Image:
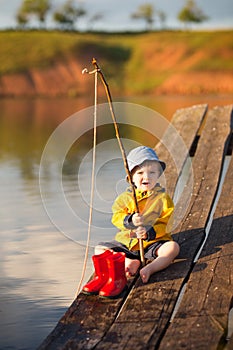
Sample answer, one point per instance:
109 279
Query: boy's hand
137 219
139 232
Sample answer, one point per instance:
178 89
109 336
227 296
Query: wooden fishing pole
107 90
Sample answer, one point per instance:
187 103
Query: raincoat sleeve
122 213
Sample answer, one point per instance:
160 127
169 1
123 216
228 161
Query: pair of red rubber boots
109 279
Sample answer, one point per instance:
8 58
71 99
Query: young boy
150 224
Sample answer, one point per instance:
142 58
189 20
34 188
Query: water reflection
37 281
40 267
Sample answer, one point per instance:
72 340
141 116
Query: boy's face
145 177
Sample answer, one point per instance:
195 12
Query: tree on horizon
191 13
37 8
68 13
146 13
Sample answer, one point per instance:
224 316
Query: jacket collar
145 194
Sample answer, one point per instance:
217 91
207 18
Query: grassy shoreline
21 50
140 62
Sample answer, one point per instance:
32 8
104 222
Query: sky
116 14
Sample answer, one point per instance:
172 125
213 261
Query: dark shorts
149 252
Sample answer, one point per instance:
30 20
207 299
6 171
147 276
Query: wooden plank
203 312
177 142
206 166
89 318
84 323
155 301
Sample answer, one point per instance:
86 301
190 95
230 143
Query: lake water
43 229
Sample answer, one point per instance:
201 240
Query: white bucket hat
140 154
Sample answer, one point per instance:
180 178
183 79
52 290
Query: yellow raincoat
156 207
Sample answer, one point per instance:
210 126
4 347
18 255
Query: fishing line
92 181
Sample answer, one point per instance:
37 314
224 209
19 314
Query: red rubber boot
117 281
101 273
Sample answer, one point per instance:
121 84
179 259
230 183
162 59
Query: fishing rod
109 97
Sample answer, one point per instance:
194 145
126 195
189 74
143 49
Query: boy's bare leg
165 256
131 266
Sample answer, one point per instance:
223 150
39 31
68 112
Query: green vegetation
145 12
191 13
20 51
138 61
68 14
35 8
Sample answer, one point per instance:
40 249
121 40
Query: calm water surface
40 265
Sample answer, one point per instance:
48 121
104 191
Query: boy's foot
131 267
145 274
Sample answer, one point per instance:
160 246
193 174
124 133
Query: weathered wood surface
178 141
202 317
142 318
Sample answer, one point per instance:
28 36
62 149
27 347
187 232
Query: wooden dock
189 305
